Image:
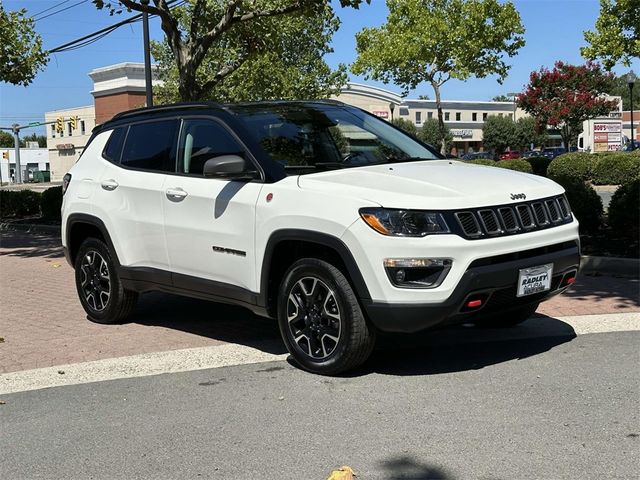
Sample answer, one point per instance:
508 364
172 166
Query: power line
33 17
61 10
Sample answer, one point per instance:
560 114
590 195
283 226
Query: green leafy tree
498 133
527 132
191 30
617 33
620 88
435 40
292 67
433 134
21 54
41 139
567 96
406 125
502 98
6 140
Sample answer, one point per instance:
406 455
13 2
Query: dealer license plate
534 280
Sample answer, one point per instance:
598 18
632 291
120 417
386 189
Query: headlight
404 223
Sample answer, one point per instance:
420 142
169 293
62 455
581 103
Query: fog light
417 272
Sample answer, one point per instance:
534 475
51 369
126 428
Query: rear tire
320 319
512 317
99 288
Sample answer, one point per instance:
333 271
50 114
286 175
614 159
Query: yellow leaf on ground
343 473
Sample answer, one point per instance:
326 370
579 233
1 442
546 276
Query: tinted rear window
113 149
150 146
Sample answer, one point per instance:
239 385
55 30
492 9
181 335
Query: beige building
464 118
65 147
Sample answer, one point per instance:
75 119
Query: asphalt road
563 406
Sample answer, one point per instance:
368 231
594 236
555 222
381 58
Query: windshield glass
305 138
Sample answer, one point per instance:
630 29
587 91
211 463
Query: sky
553 32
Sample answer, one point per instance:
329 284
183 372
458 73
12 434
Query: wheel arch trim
83 218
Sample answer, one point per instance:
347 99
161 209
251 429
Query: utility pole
147 54
16 144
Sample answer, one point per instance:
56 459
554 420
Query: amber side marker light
374 223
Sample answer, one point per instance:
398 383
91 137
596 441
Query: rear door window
151 146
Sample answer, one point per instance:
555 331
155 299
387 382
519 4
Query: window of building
446 116
53 131
458 116
484 116
474 116
150 146
203 140
418 118
82 127
404 111
69 130
429 115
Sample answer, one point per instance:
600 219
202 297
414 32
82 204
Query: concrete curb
616 266
29 228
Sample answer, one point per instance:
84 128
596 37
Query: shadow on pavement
625 292
31 245
409 468
459 348
225 323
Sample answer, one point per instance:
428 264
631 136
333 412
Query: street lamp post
631 80
147 55
392 107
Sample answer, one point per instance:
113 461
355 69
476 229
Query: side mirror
225 166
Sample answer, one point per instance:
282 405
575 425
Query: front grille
513 219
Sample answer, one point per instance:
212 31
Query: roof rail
163 108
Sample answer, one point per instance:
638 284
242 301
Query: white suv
317 213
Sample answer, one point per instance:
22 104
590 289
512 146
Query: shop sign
466 133
381 113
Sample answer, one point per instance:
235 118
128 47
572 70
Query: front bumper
494 277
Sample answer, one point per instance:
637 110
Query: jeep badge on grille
518 196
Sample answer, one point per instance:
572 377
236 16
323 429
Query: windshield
305 138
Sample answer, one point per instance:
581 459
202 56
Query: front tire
99 288
320 319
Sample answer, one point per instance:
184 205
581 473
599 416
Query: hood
432 184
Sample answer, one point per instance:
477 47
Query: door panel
209 223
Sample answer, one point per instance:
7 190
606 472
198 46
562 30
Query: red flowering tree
567 96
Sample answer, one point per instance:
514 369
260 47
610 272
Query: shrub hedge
482 161
624 210
539 165
572 165
51 203
518 164
19 203
585 203
615 168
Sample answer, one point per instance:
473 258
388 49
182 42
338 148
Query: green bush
539 165
51 203
616 168
585 203
19 203
518 164
624 210
572 165
482 161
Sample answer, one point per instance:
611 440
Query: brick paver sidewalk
43 324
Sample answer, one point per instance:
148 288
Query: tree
433 134
567 96
498 133
528 132
617 34
502 98
21 55
292 67
41 139
406 125
193 29
6 140
435 40
620 88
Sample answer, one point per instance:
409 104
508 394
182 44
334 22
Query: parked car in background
531 153
478 156
553 152
511 155
631 146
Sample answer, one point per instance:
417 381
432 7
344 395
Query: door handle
176 194
109 185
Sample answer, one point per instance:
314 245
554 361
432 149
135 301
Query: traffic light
74 122
5 155
60 124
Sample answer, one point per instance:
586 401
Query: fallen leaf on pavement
343 473
61 372
2 402
1 339
55 265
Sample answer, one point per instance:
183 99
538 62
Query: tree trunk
187 86
441 127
